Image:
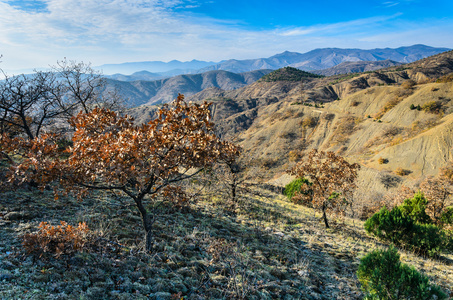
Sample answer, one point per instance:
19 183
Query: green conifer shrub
383 276
415 208
391 226
409 226
295 187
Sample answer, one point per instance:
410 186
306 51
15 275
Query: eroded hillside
393 121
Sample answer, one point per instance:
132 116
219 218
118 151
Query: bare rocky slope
357 67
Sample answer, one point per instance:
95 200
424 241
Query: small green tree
383 276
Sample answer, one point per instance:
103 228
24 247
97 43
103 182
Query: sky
36 34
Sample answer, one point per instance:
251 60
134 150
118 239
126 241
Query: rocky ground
267 248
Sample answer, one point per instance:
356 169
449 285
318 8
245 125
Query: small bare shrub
408 84
401 172
328 117
241 281
345 127
382 160
57 240
434 107
309 122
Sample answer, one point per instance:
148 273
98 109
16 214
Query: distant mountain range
165 90
172 67
317 59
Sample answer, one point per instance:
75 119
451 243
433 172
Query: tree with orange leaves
332 181
110 152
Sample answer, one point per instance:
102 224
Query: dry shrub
294 155
382 160
387 136
288 135
269 163
56 240
235 266
420 126
392 131
403 93
408 84
388 106
354 103
390 201
445 79
401 172
287 114
328 117
344 128
309 122
434 107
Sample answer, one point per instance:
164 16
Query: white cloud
113 31
350 26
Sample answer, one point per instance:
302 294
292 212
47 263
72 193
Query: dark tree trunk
233 190
147 223
324 216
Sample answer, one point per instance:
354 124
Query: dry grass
387 106
265 248
344 128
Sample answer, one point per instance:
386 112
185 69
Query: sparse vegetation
445 79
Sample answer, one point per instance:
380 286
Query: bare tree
29 103
83 88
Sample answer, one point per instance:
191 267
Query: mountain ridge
316 59
165 90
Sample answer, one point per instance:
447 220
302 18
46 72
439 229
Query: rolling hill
165 90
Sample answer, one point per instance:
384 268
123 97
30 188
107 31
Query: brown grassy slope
280 250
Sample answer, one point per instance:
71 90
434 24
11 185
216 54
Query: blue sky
38 33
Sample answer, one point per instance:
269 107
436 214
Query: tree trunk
148 240
147 224
324 216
